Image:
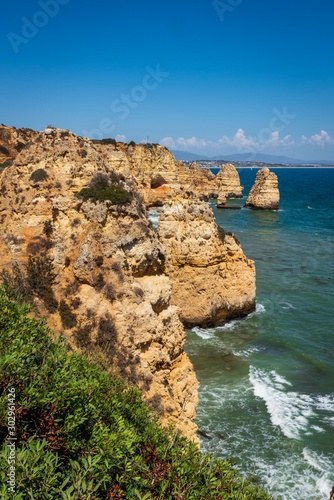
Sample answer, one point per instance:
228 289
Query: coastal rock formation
161 178
264 194
96 268
212 279
221 200
199 181
228 181
155 170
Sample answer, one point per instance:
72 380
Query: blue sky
211 76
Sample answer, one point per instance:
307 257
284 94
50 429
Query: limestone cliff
212 279
264 194
228 181
199 181
96 269
161 178
153 167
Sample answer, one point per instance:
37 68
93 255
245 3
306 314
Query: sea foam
294 413
204 333
288 410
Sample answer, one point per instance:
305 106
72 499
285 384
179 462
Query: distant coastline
261 165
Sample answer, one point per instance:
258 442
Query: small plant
68 318
99 282
83 153
109 141
19 146
109 292
4 150
82 337
39 175
40 277
6 164
76 302
99 260
47 228
15 283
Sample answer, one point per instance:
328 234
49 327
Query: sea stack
264 194
221 201
212 280
228 181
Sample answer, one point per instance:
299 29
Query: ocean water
266 396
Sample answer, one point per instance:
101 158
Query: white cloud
318 139
120 138
266 139
182 143
275 140
239 140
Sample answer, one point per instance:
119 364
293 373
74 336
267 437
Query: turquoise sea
266 398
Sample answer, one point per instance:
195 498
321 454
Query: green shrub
6 164
19 146
68 318
84 434
103 187
34 278
40 277
47 228
39 175
109 141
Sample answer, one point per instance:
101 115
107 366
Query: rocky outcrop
199 181
212 279
264 194
221 201
228 182
155 170
12 141
96 269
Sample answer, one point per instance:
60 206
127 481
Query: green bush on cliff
103 187
83 434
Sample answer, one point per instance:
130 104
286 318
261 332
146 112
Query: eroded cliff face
107 291
154 168
212 279
197 180
264 194
161 178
